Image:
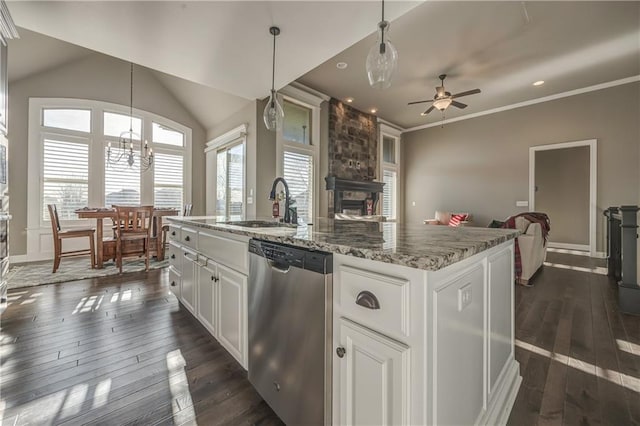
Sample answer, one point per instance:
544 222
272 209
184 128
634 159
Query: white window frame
235 136
39 229
301 95
386 130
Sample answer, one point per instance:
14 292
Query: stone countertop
427 247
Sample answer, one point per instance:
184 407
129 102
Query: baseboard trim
598 254
567 246
503 397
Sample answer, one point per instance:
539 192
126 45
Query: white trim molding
304 93
227 138
561 95
593 184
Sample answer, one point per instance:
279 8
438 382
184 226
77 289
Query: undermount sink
260 224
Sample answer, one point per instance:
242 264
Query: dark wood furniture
133 224
59 235
106 248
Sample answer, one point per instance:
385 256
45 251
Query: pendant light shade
382 60
273 113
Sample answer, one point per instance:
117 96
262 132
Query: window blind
65 177
389 195
230 182
168 177
298 172
121 184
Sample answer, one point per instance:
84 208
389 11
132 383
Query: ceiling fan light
442 104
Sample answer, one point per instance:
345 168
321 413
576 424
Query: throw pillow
457 218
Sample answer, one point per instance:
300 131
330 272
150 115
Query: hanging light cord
273 63
131 102
382 28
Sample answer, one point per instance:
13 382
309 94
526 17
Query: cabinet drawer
175 259
189 237
391 312
231 253
174 233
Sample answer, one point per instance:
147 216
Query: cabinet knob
213 278
173 256
173 233
187 238
173 283
340 351
368 300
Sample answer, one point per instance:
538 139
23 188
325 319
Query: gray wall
261 161
481 165
562 192
96 77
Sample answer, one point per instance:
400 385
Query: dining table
102 213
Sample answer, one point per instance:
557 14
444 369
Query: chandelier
124 155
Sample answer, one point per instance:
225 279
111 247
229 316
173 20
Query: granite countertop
427 247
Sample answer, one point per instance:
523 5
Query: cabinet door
232 313
188 291
373 378
207 297
174 281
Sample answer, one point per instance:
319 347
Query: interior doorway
562 183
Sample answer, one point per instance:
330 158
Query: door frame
593 179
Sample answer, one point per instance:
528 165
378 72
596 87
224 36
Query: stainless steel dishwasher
290 330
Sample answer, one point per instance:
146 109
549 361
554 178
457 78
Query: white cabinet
374 377
232 315
188 291
208 297
174 281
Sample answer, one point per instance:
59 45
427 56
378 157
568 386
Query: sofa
444 218
533 248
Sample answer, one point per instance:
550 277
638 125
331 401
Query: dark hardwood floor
117 350
121 350
579 355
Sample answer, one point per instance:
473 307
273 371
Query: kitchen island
437 348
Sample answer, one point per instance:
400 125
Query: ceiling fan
443 99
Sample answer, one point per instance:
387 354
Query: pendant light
273 112
123 155
382 60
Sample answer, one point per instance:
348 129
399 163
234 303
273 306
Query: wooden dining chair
59 235
133 223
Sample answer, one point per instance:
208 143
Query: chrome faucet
287 200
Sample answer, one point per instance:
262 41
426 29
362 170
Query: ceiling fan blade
458 104
467 93
419 102
431 108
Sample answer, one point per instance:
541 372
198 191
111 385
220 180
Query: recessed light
373 110
539 83
341 65
349 100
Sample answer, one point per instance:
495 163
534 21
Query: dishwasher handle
279 267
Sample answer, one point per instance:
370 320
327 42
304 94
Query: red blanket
535 217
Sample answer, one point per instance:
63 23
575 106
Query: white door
188 291
232 308
373 377
207 296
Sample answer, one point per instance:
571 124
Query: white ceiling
499 47
224 45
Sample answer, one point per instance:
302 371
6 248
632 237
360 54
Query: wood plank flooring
121 350
579 355
115 351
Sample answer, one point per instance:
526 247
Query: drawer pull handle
340 351
173 283
213 278
367 300
173 256
187 238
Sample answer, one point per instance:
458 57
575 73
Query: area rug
30 274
